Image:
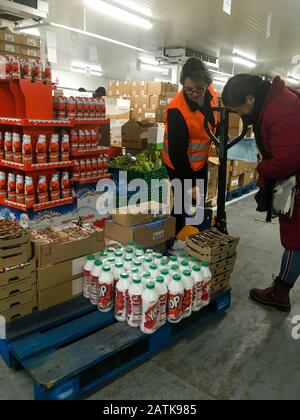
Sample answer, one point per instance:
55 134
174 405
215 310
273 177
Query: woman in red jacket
274 111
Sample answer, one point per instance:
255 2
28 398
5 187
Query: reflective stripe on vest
199 142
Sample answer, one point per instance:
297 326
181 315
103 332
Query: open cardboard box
148 212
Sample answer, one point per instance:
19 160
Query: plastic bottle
118 269
29 191
65 185
153 270
149 253
121 298
15 68
48 73
100 167
76 171
134 306
184 266
54 149
198 286
95 274
17 148
1 146
188 283
54 187
174 270
176 293
164 265
138 265
89 172
207 276
146 277
65 148
94 168
130 251
27 150
79 107
118 256
87 276
181 257
172 261
127 263
158 259
148 261
3 185
192 262
150 308
83 174
103 256
25 69
94 139
11 187
88 140
42 190
8 146
74 141
165 274
41 149
163 298
106 301
20 188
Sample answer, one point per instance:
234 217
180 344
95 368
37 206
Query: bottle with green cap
134 307
87 276
119 256
150 305
175 302
148 261
140 248
121 297
149 252
173 261
184 266
198 286
158 259
130 252
106 301
153 270
138 265
118 269
96 273
111 252
193 261
163 298
207 276
127 263
174 270
181 257
165 273
103 255
145 278
188 284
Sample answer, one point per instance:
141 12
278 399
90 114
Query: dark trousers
290 267
203 174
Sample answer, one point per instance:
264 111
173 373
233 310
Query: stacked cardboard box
241 174
219 250
118 111
61 253
18 291
135 135
236 126
150 227
24 46
213 177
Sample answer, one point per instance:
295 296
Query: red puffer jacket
280 131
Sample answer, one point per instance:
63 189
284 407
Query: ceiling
198 24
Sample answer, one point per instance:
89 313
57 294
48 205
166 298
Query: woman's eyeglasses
199 89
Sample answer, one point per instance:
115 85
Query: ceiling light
148 67
119 14
78 70
211 64
95 73
243 62
135 6
86 66
93 35
244 55
148 60
31 31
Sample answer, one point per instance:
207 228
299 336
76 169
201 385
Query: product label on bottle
163 307
175 306
150 316
120 304
134 309
105 295
197 296
187 300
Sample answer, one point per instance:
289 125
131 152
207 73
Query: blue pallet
73 357
241 191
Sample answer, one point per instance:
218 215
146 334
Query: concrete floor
247 354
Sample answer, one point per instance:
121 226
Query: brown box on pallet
49 254
144 102
17 287
158 102
170 96
157 88
9 37
143 88
222 285
7 48
147 235
18 300
148 212
15 250
59 294
247 178
31 52
30 41
234 183
237 167
135 101
56 274
18 274
135 134
20 310
148 114
160 115
135 114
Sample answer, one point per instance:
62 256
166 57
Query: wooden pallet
70 350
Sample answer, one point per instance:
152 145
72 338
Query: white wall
72 80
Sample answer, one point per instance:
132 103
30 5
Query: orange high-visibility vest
199 141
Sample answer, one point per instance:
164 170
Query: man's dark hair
82 89
196 70
239 87
100 92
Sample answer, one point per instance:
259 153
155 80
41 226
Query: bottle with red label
3 185
118 269
42 190
48 73
76 171
100 167
71 107
106 301
163 299
86 107
89 171
150 309
81 138
27 149
207 276
92 107
61 107
65 185
88 140
1 146
17 148
37 71
8 146
20 190
26 70
29 191
94 139
65 148
105 165
121 297
94 168
188 284
95 277
41 149
11 187
54 149
134 304
83 174
79 107
15 68
74 140
87 276
54 187
198 288
175 299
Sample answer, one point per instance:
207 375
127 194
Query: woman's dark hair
196 70
239 87
101 91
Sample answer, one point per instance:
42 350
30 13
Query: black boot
278 295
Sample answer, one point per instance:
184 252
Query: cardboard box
18 274
56 253
157 88
125 217
18 300
212 190
237 167
31 52
160 115
156 134
148 235
16 250
143 88
9 48
224 266
170 96
135 134
20 310
9 37
148 114
234 183
134 88
56 274
144 102
15 288
30 41
222 285
117 109
116 137
87 203
135 101
135 114
158 102
247 178
59 294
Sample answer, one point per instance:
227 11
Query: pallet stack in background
219 250
18 284
21 45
